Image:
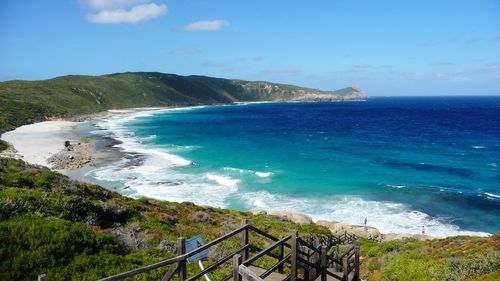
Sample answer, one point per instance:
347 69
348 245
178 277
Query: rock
200 216
72 156
292 216
167 246
132 237
259 212
170 219
339 228
400 236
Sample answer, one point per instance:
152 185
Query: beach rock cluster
290 216
73 156
340 228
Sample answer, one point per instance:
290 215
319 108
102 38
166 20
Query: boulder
292 216
200 216
339 228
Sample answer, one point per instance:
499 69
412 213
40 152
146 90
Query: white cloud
213 25
135 14
112 4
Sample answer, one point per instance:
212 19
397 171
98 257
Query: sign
194 243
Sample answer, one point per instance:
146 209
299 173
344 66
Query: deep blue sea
403 163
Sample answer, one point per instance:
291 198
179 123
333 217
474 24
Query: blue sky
385 47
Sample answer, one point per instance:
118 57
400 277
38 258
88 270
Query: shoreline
54 132
36 143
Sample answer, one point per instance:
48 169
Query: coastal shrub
46 179
15 201
473 265
3 145
413 266
19 179
31 245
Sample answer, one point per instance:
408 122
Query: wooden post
245 239
324 265
337 255
181 250
356 262
295 252
345 266
281 255
237 260
306 266
42 277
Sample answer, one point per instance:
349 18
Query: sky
388 48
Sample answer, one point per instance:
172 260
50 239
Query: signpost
194 243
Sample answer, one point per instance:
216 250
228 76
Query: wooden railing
303 260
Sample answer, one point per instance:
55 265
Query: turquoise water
401 163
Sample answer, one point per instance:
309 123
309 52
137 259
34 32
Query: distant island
24 102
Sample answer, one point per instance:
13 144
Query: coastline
56 132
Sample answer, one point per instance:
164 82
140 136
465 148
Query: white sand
37 142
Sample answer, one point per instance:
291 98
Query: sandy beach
35 143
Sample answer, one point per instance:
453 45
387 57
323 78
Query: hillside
76 231
24 102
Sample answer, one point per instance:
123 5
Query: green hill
24 102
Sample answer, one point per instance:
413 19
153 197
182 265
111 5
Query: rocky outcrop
339 228
368 232
290 216
200 216
73 156
132 237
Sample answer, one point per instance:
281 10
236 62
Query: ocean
402 163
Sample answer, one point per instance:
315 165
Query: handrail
303 242
263 252
346 252
269 236
136 271
218 263
335 260
214 242
274 267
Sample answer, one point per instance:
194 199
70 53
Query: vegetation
76 231
24 102
3 145
453 259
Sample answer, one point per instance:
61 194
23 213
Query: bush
3 145
32 245
470 266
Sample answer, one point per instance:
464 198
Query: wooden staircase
296 259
